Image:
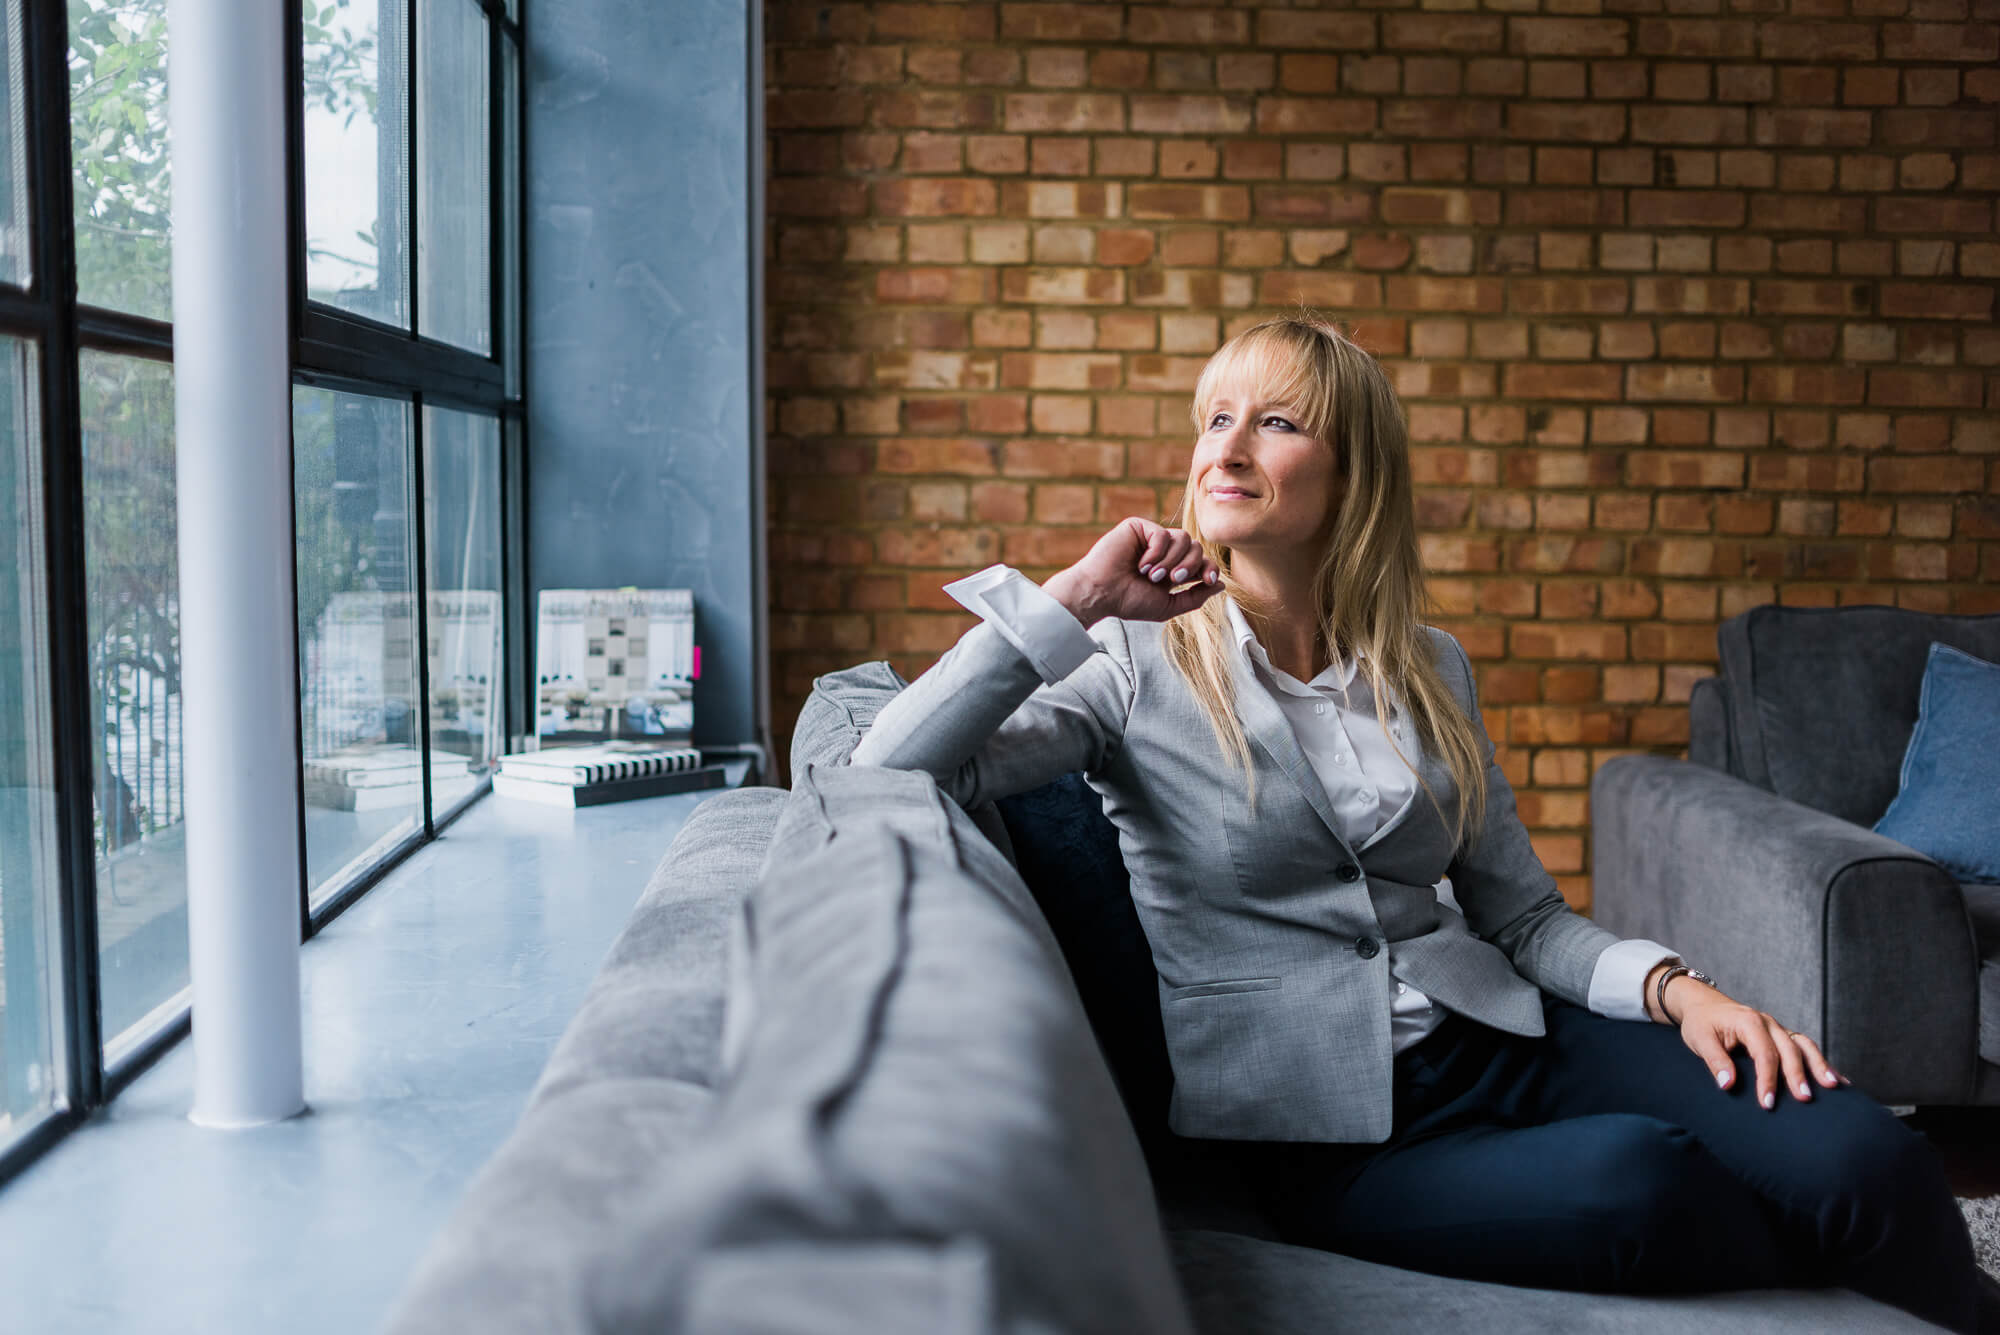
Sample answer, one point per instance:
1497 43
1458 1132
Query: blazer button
1347 871
1365 947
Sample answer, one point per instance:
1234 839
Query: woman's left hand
1712 1024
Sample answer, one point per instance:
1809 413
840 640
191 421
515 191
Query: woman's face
1261 482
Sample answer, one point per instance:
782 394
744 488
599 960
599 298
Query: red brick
1442 32
1064 111
1569 37
1314 115
1187 27
935 197
1295 28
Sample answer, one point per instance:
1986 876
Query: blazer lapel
1266 725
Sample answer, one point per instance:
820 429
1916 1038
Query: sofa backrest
1066 850
1821 701
909 1066
841 709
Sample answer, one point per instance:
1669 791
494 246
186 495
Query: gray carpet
1982 1216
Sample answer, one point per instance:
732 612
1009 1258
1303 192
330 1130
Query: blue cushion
1948 807
1067 852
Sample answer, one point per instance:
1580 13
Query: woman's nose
1233 445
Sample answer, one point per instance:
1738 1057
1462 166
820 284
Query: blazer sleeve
1507 896
986 723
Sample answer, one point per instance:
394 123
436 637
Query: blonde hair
1368 588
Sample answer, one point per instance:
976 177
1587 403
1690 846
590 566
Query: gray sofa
835 1076
1755 858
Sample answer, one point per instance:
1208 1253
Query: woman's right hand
1131 573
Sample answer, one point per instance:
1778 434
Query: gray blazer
1267 928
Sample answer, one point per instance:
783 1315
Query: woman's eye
1278 422
1220 419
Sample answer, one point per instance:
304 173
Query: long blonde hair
1368 589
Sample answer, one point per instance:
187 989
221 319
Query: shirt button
1400 988
1319 709
1340 759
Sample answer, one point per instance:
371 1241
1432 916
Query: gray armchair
1755 858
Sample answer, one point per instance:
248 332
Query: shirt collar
1336 677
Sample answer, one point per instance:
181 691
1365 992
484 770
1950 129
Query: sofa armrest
1859 941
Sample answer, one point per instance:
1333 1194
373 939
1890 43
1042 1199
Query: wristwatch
1660 991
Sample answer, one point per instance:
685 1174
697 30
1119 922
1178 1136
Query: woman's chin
1226 530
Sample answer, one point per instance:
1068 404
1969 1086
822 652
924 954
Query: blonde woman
1481 1083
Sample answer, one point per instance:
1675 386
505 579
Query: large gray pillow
842 707
917 1072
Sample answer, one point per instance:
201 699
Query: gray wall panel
645 456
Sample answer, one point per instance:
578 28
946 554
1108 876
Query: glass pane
462 556
118 147
364 781
15 265
132 593
357 103
454 241
29 1077
510 225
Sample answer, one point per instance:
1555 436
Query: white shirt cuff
1618 983
1028 617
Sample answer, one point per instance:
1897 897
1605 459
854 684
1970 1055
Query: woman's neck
1290 635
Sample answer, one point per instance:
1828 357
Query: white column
232 407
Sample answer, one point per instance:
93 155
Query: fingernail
1211 577
1145 569
1722 1079
1180 574
1157 575
1805 1091
1770 1101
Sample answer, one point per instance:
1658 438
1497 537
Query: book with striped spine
606 762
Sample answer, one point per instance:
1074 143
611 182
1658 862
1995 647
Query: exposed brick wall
1690 313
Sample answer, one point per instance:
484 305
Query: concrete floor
430 1008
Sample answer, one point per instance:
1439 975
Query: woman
1489 1087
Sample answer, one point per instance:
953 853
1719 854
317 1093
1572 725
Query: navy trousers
1603 1156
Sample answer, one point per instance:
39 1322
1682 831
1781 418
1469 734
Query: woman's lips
1230 495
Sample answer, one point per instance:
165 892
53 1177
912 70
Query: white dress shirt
1333 718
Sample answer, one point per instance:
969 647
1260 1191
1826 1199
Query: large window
362 753
411 190
132 613
357 144
30 1083
404 158
118 152
462 556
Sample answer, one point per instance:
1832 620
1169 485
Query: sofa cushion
1243 1286
842 707
1067 851
1948 804
917 1068
1821 701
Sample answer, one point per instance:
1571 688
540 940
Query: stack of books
581 776
372 778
